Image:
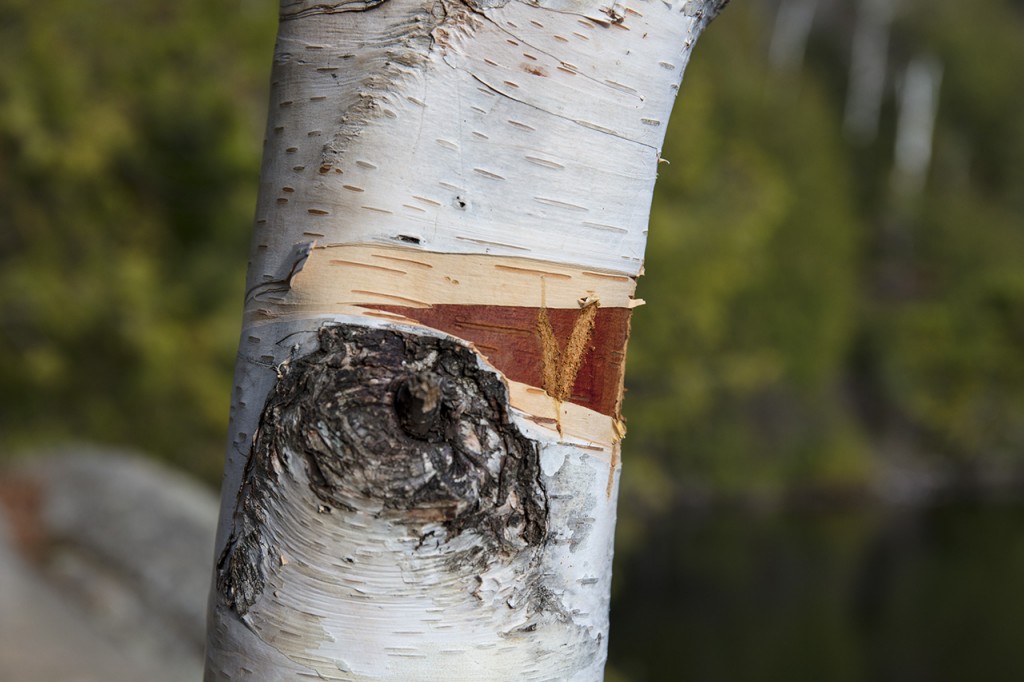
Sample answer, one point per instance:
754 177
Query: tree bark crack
585 124
546 53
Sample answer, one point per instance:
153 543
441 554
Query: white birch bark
397 505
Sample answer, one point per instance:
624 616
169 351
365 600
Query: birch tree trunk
426 420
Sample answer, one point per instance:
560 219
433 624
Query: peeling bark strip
356 274
397 426
297 9
561 364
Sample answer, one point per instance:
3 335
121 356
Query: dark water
864 594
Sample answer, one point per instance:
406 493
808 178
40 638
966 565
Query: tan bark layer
321 277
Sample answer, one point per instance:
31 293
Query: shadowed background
826 388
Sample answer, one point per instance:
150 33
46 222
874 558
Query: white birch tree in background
424 458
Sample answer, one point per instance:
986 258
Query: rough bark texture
398 426
426 421
395 522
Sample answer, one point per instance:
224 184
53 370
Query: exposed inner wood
508 337
599 432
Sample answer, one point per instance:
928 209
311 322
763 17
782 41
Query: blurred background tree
835 271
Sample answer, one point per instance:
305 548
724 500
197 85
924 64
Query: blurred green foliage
129 152
803 315
808 323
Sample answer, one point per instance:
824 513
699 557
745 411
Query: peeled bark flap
401 426
294 9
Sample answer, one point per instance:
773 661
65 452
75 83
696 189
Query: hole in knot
418 403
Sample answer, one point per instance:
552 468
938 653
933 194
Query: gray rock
121 583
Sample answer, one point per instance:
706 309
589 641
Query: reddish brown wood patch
508 336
